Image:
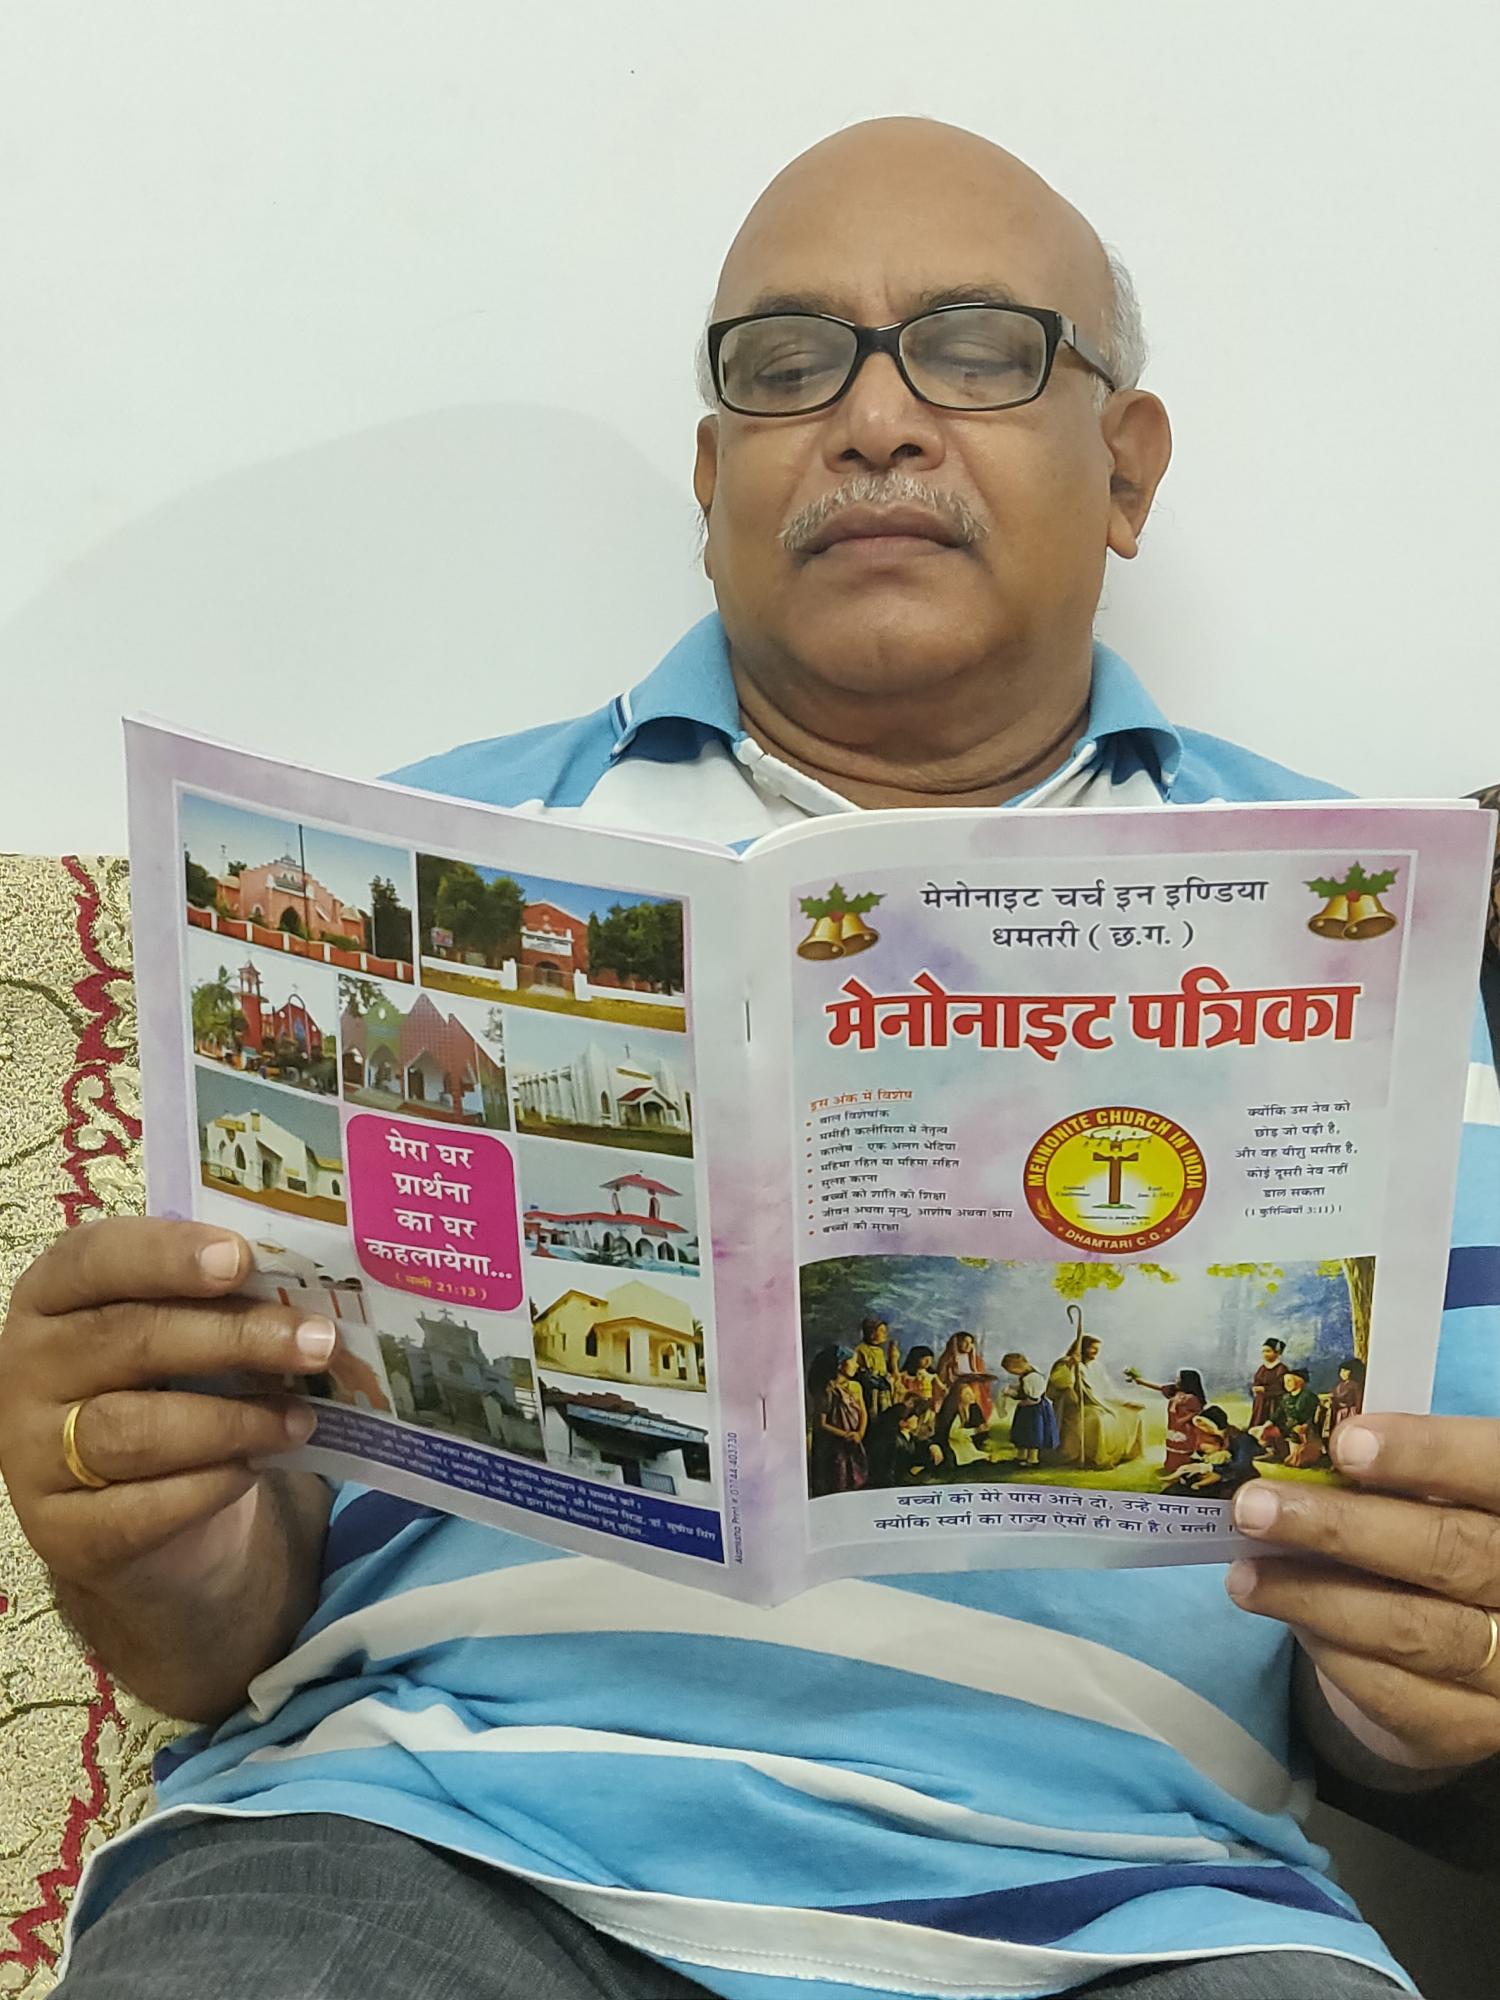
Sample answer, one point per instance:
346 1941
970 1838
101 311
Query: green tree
483 918
215 1016
357 996
200 884
639 941
390 921
235 868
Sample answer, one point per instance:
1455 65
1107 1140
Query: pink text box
434 1210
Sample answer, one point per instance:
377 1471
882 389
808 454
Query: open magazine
915 1191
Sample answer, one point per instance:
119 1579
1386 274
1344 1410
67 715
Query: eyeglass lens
972 358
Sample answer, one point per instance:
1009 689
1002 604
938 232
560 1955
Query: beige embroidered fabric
75 1752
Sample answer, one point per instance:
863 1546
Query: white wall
288 452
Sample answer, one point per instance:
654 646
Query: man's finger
126 1257
1426 1635
134 1519
1452 1550
1438 1724
1442 1458
128 1435
138 1346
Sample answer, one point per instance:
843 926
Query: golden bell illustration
854 933
1332 921
1368 918
824 940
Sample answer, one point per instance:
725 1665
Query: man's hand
1390 1588
182 1535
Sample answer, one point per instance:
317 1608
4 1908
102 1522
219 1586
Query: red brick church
554 945
267 1028
268 894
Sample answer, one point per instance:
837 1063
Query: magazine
913 1191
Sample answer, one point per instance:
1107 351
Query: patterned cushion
75 1751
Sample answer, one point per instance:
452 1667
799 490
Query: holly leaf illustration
1378 883
1325 886
838 900
813 906
1356 882
861 905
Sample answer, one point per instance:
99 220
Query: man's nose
878 422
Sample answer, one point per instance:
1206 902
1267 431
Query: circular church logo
1115 1179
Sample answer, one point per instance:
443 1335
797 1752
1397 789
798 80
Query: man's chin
876 648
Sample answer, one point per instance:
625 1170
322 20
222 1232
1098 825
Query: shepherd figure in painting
1099 1430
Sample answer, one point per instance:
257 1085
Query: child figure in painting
836 1459
873 1354
1267 1384
1347 1396
1033 1427
963 1360
919 1379
897 1447
1186 1398
959 1420
1292 1437
1223 1460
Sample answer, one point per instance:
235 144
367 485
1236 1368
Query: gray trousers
313 1907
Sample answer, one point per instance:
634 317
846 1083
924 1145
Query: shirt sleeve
1468 1368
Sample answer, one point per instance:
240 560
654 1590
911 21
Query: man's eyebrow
985 293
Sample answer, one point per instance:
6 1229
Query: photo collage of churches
450 1107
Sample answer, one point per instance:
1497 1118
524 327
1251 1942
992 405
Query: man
471 1765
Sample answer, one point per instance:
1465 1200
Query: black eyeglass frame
1057 329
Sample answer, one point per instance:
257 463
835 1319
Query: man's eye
976 361
786 371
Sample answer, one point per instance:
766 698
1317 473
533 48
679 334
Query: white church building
251 1151
598 1088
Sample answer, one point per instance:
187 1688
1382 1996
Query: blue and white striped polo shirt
951 1786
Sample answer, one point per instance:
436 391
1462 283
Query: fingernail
300 1422
316 1339
1240 1581
1355 1448
220 1260
1255 1510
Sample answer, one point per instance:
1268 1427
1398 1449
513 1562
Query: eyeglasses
954 357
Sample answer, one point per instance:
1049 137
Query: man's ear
706 478
1138 437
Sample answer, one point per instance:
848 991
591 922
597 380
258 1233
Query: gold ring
1490 1651
84 1474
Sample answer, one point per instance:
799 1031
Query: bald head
904 574
891 183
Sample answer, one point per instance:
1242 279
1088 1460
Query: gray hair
1123 345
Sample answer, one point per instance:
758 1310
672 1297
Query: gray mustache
896 489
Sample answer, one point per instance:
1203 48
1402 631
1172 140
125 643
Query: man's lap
313 1907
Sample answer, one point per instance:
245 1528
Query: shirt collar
694 685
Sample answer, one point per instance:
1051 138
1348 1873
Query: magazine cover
823 1210
1124 1158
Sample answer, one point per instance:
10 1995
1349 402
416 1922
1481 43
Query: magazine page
1123 1149
460 1077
